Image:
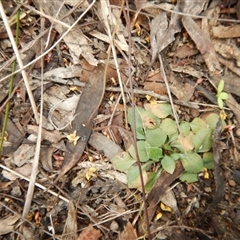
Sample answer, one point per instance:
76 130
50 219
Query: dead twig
127 18
168 91
31 185
36 184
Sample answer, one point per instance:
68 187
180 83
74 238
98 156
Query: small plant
160 145
221 95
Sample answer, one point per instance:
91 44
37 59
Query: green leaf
178 146
167 147
175 156
154 153
160 110
141 146
156 137
185 128
133 177
202 140
192 162
212 120
152 178
168 164
189 177
172 137
138 119
207 144
220 103
197 124
168 126
223 95
208 160
122 161
220 86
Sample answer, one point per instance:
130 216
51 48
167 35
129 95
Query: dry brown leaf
157 87
203 43
118 122
111 19
155 83
162 33
228 50
169 200
70 228
230 65
186 69
185 51
182 91
46 157
61 72
185 142
212 15
193 7
128 233
76 41
28 233
4 185
226 32
23 154
160 187
154 9
53 137
102 143
84 3
7 224
24 170
90 233
232 103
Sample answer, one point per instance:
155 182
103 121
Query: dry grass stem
19 59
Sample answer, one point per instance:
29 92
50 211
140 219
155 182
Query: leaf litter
100 194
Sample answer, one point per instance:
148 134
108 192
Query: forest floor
123 121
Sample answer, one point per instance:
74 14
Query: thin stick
32 182
127 18
168 91
36 184
177 12
112 45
